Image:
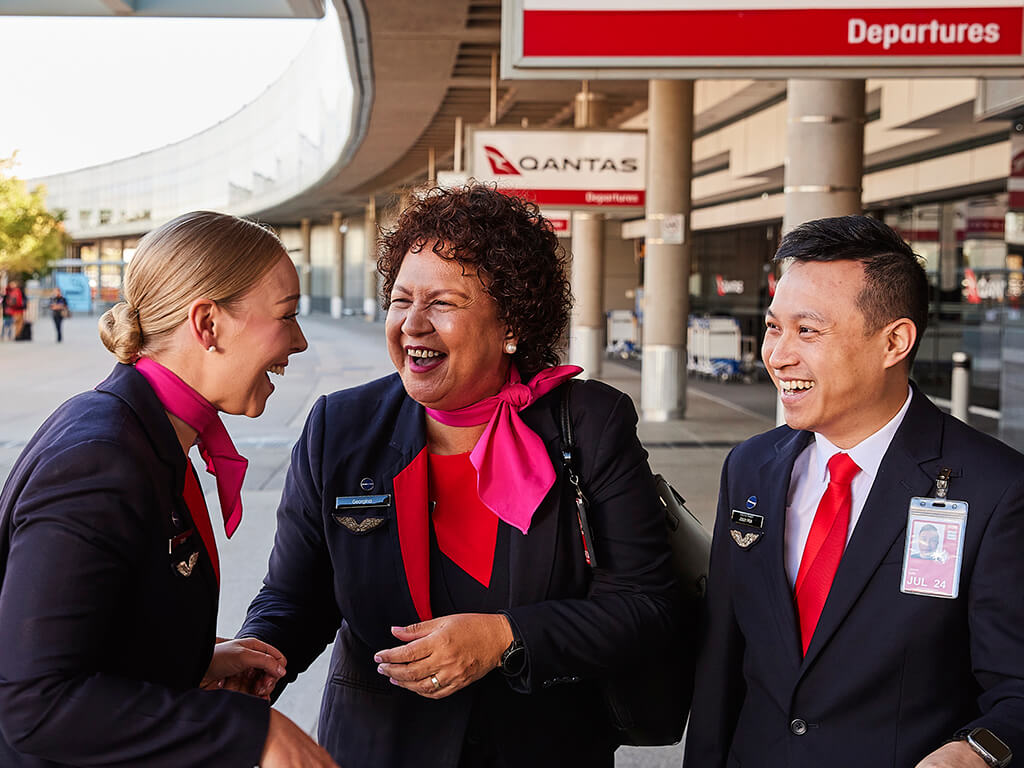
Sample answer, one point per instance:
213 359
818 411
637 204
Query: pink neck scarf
513 469
222 460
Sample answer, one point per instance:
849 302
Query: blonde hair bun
121 333
202 254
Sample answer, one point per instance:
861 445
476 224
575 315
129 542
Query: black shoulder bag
648 704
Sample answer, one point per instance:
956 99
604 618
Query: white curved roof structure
378 85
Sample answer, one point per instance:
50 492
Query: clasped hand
247 665
454 650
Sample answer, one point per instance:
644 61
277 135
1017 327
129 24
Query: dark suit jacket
325 580
888 676
102 641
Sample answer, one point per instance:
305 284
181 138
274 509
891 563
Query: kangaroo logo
500 165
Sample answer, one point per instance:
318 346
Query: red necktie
825 544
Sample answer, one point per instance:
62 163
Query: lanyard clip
942 482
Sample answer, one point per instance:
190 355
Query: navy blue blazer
327 580
102 640
888 677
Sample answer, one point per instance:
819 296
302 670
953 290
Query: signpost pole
370 280
586 332
667 257
338 260
305 267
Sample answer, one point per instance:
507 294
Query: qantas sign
567 168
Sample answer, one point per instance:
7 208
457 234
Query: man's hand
288 747
454 650
956 754
247 665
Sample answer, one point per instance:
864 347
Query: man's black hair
895 283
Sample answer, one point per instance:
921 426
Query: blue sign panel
75 287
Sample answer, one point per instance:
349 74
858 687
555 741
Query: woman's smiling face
443 333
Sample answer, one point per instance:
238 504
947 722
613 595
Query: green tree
30 236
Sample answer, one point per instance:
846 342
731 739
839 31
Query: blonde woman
109 575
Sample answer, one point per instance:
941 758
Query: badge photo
934 547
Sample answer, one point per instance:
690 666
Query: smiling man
821 645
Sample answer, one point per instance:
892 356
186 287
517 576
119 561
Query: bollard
960 386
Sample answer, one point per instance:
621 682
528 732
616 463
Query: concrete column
305 267
824 149
587 326
371 304
824 153
338 261
586 334
667 258
590 110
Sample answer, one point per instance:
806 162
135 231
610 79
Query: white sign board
592 169
761 38
561 221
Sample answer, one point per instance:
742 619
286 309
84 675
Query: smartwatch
513 659
989 747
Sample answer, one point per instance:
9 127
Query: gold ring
437 685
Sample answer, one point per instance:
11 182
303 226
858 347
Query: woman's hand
288 747
453 650
247 665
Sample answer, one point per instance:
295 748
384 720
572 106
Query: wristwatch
513 659
989 747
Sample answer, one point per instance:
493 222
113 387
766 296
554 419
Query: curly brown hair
514 251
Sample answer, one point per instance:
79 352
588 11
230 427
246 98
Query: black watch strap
513 659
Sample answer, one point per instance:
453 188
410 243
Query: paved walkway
37 376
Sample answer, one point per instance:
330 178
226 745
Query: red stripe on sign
803 32
622 198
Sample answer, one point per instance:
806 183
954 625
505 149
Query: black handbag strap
568 446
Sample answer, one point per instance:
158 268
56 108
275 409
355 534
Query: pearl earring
211 348
511 347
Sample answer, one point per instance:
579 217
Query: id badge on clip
935 545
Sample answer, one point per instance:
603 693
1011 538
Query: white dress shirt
809 480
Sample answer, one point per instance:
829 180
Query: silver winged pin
360 526
185 567
744 540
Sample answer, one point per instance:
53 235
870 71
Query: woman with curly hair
427 528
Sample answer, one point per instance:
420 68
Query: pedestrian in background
7 330
59 309
109 574
14 310
825 645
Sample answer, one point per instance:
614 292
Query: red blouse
466 530
201 516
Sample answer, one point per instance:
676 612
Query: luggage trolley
714 347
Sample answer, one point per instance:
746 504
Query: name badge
363 502
935 547
747 518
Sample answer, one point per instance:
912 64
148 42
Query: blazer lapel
774 476
412 517
129 385
126 383
532 556
906 470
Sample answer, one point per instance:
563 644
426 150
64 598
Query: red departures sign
664 35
